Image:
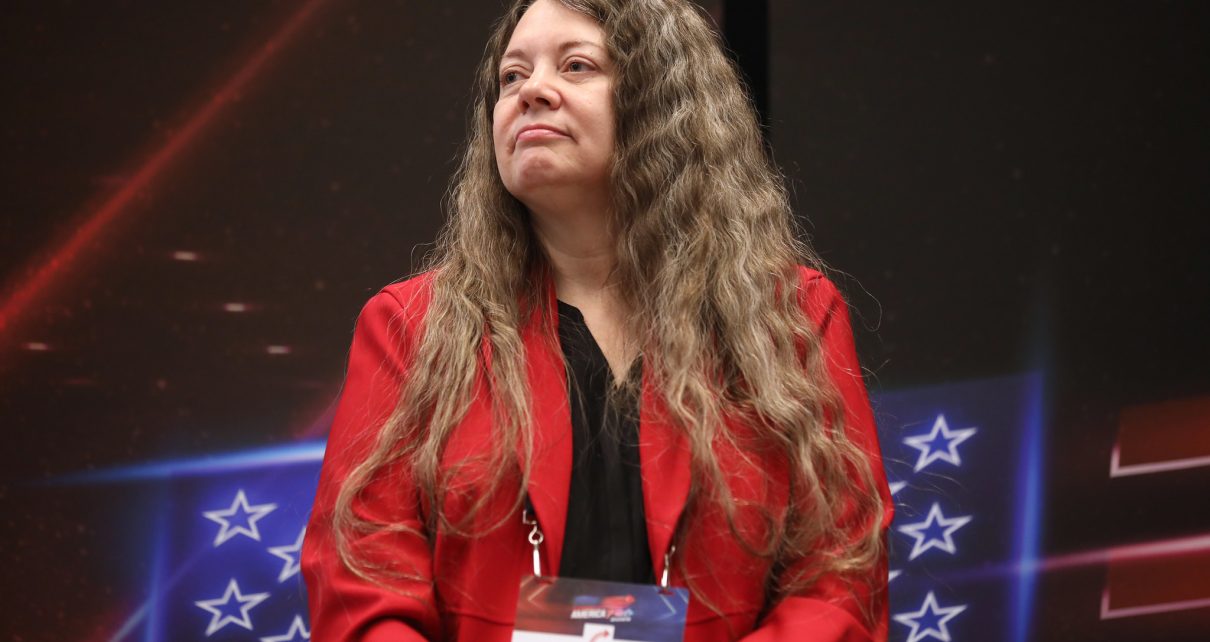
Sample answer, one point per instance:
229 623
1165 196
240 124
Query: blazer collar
663 448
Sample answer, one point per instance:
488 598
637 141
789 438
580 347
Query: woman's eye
577 66
508 77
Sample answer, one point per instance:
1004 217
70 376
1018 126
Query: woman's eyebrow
570 44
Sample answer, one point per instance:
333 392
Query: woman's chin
536 177
533 175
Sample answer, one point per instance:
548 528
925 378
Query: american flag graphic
962 461
228 564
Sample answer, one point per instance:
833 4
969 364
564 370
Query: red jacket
471 589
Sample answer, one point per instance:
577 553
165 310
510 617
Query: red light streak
1141 551
46 272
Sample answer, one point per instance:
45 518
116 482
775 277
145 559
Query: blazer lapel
664 459
550 470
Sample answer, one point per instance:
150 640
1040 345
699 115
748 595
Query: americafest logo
615 608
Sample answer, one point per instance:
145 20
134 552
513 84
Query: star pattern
239 519
936 531
930 621
268 517
939 444
263 598
222 615
298 632
290 554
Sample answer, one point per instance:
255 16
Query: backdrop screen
201 196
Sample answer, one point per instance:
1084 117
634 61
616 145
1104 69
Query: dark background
1000 188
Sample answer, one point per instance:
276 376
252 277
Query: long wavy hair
706 252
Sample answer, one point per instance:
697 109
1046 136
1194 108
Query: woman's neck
580 246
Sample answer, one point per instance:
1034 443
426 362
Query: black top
606 535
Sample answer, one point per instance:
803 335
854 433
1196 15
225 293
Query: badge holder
551 609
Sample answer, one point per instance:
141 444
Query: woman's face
553 123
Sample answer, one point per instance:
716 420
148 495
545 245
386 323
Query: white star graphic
937 616
931 451
298 631
925 540
219 619
894 573
290 554
896 487
242 511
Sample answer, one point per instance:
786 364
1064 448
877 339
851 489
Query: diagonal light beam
58 261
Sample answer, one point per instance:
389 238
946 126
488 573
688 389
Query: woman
614 200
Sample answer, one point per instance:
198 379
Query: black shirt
606 532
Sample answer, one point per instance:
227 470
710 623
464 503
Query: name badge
551 609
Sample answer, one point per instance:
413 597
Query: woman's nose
539 89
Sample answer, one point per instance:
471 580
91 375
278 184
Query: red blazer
470 587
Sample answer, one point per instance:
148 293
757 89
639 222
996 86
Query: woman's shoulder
817 294
402 303
808 275
410 292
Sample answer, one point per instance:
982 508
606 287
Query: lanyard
595 609
529 517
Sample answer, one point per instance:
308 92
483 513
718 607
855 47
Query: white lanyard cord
529 518
667 564
535 536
